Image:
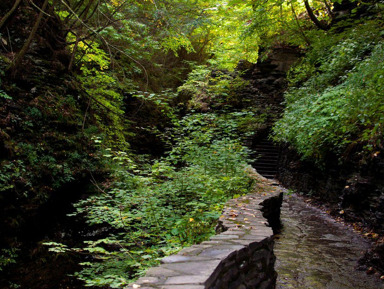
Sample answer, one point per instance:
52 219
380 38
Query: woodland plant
99 70
336 97
208 88
150 212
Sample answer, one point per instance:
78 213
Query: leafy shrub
338 102
150 212
205 89
7 256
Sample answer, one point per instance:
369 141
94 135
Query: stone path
314 251
239 257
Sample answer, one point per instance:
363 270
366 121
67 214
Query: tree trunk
312 16
9 14
299 26
73 53
15 64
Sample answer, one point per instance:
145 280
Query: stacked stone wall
239 257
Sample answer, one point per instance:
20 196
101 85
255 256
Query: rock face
354 189
241 256
268 83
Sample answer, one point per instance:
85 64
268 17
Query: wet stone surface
315 252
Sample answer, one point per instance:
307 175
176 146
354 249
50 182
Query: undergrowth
335 102
150 211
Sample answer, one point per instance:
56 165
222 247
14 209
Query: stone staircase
267 156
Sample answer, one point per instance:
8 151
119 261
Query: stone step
267 158
266 171
270 154
266 165
265 149
267 155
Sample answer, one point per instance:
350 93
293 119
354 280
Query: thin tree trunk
73 53
9 14
299 26
27 43
313 17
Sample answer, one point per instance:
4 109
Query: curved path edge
239 257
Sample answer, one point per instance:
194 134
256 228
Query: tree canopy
141 99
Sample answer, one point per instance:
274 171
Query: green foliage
154 211
205 89
229 21
283 22
103 90
48 149
336 98
159 103
7 256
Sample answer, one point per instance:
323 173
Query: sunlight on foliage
336 100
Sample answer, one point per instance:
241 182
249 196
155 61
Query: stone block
224 237
187 280
181 258
215 242
234 232
240 242
255 238
194 268
221 251
193 250
148 280
238 258
161 272
182 287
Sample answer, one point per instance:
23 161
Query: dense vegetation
335 103
141 100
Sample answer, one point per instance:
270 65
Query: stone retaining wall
240 257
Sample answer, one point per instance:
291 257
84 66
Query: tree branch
9 14
298 24
314 19
26 45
